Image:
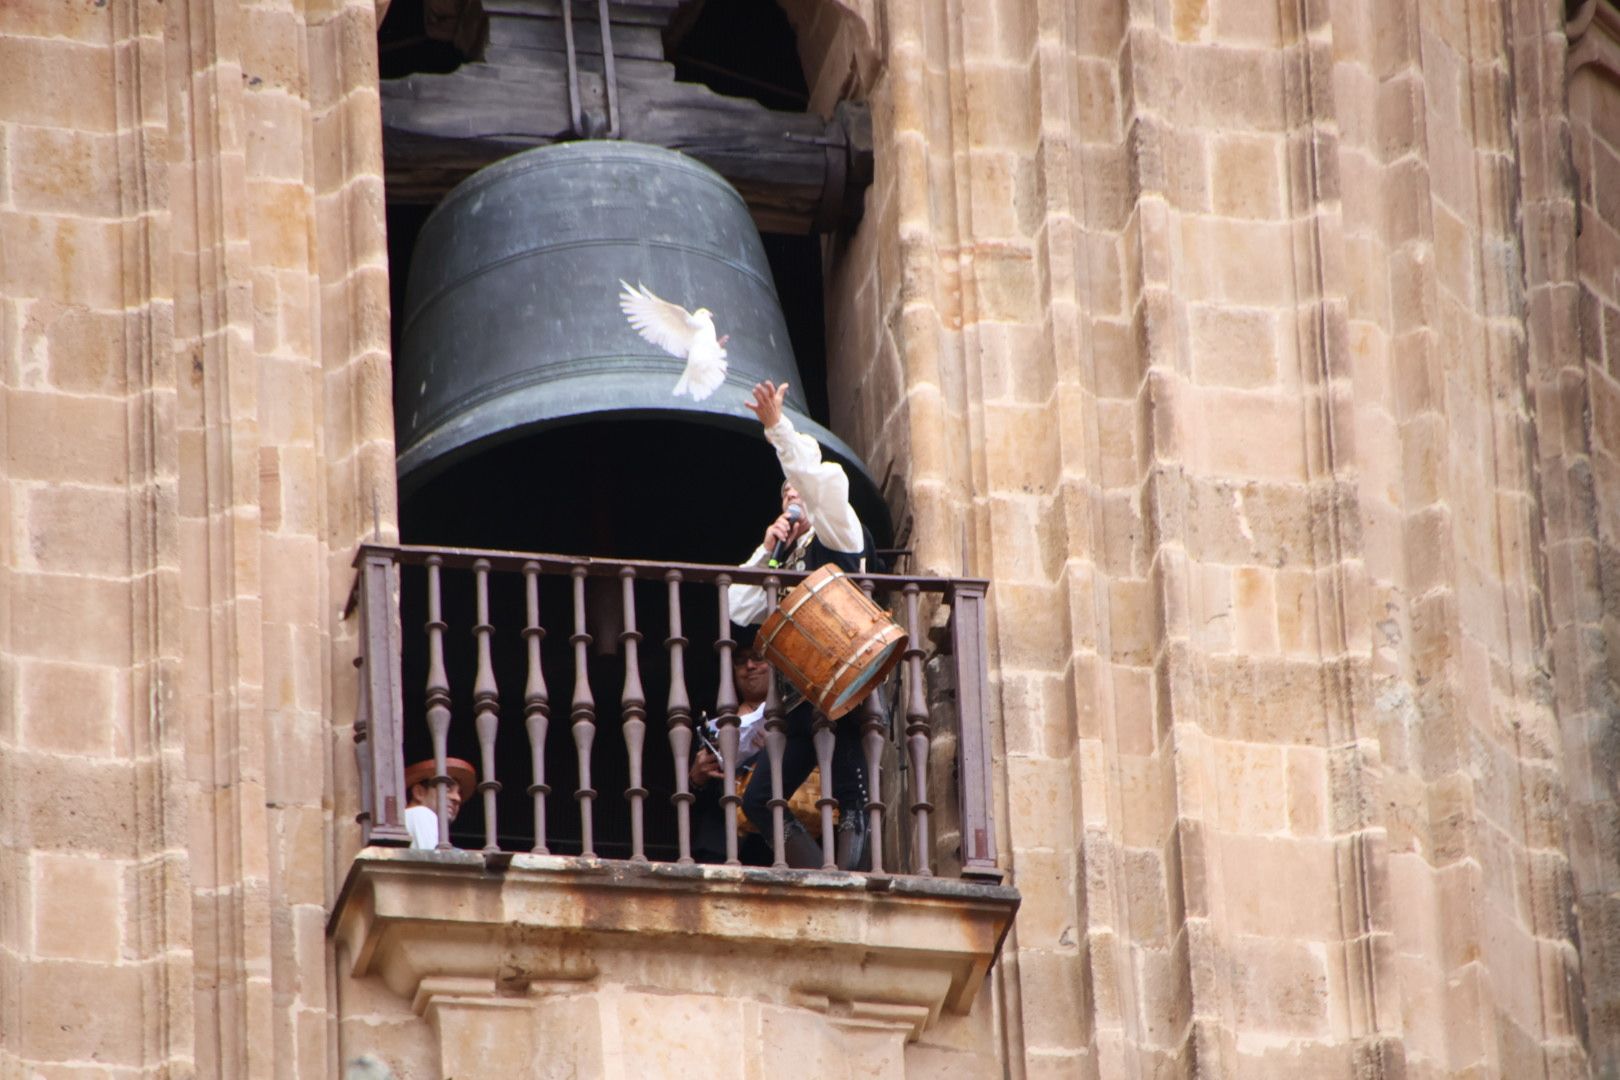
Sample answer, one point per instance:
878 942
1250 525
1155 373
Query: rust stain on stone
1191 16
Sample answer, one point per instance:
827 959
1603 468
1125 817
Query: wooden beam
797 172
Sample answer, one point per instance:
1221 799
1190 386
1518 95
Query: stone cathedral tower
1262 356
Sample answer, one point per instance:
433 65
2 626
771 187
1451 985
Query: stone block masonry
1263 354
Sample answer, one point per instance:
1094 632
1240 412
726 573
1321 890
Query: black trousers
798 758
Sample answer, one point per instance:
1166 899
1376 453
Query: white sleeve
748 601
750 732
423 824
822 484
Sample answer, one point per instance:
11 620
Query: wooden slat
973 736
440 129
645 570
380 631
542 78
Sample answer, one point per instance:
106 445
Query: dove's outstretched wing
687 335
662 323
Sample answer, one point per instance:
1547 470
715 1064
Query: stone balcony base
550 966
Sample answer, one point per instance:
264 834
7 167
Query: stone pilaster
1266 763
1460 681
94 860
1571 170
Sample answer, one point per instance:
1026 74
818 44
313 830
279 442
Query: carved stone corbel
1593 29
506 958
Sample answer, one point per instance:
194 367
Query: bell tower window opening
590 487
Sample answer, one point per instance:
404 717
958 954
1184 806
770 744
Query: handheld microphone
794 513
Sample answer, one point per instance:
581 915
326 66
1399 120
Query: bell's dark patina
512 323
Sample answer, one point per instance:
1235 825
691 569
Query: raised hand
767 402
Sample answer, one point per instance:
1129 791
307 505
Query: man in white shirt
825 530
421 819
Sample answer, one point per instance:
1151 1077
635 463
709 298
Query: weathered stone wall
1262 353
1579 428
1474 802
1208 331
285 445
93 848
197 426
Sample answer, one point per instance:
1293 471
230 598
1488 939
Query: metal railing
405 696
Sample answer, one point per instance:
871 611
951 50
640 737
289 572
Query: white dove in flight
688 335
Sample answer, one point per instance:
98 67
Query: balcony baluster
917 735
438 700
823 736
379 738
679 709
486 706
775 747
725 707
633 707
583 716
874 733
536 704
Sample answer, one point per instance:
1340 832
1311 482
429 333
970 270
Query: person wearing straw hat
817 526
421 819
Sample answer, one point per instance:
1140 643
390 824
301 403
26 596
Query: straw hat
462 772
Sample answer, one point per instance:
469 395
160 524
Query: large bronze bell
512 327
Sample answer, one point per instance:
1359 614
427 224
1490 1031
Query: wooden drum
831 641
